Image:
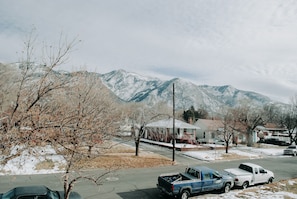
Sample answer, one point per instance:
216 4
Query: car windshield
216 174
8 194
53 194
292 147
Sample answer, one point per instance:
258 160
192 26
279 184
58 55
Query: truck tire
184 194
245 185
270 180
227 187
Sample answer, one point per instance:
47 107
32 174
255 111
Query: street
141 183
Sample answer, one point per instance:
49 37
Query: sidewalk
212 152
183 146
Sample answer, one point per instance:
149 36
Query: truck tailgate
165 181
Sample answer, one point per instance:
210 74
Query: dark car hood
73 195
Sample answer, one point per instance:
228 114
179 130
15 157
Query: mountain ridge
132 87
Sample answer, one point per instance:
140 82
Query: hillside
132 87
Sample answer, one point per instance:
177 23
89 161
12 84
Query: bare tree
229 125
250 117
84 117
142 115
72 112
289 119
32 85
271 112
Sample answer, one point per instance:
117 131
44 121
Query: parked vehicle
291 150
248 174
36 192
194 180
275 141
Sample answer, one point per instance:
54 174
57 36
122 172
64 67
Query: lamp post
173 127
136 138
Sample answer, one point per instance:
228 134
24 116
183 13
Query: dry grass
126 160
283 185
46 164
268 190
123 156
232 156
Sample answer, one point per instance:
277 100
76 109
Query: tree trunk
249 137
227 146
137 147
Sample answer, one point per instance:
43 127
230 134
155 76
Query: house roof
214 125
274 127
168 123
210 124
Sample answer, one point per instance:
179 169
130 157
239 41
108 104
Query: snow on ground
28 160
255 192
252 193
250 152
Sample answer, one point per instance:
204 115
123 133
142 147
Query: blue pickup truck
193 181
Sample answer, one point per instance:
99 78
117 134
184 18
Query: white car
291 150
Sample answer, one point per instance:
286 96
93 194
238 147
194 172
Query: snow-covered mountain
131 87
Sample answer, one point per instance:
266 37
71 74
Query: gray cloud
249 44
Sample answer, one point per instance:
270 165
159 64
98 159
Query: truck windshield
216 174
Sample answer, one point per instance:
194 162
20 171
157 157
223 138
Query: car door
260 175
196 183
208 182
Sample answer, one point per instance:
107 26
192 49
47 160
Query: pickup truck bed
175 177
237 172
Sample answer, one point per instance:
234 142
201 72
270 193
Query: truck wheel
227 188
184 194
245 185
270 180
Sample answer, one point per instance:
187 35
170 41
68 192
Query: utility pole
173 134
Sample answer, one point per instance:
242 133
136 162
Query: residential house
271 130
212 131
162 130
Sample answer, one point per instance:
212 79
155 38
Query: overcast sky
249 44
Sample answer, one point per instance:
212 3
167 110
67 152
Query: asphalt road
141 183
